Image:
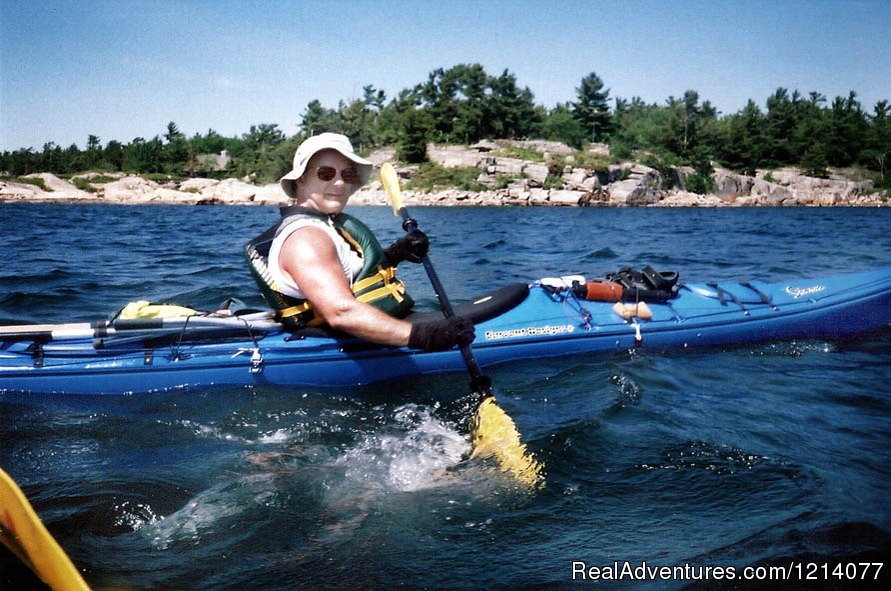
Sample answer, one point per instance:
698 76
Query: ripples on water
711 457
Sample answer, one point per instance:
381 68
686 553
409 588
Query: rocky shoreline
626 184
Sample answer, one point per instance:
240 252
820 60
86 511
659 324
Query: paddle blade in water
495 435
391 185
22 532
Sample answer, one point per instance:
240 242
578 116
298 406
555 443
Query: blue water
735 457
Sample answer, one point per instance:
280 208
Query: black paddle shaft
479 383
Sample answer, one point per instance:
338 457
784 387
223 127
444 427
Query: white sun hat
317 143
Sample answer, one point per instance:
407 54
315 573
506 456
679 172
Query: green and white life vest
375 284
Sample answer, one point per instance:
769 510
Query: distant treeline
464 104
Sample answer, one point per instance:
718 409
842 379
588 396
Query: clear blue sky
120 69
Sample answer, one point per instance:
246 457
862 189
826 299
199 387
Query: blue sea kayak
523 321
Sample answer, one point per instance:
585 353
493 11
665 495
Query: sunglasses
349 175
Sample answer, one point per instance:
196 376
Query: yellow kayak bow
25 535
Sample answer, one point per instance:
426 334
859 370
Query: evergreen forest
465 104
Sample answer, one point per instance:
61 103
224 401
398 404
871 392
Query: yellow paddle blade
391 185
495 435
22 532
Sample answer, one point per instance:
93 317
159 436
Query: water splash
413 454
629 392
132 515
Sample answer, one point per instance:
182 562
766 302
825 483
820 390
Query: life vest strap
293 310
395 289
387 274
305 308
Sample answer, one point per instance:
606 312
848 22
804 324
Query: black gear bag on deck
646 284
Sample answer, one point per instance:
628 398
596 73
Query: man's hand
412 247
439 335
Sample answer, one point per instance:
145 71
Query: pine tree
317 119
780 126
592 108
176 150
92 158
742 140
847 131
880 140
510 112
412 144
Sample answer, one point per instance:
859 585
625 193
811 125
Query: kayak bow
25 535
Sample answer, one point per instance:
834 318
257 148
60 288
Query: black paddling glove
412 247
439 335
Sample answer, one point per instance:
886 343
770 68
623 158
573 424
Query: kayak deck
517 323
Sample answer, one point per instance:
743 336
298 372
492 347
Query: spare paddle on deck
494 432
259 321
23 533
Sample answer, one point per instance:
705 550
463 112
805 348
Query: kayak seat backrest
483 308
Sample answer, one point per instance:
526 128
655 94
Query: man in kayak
318 265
